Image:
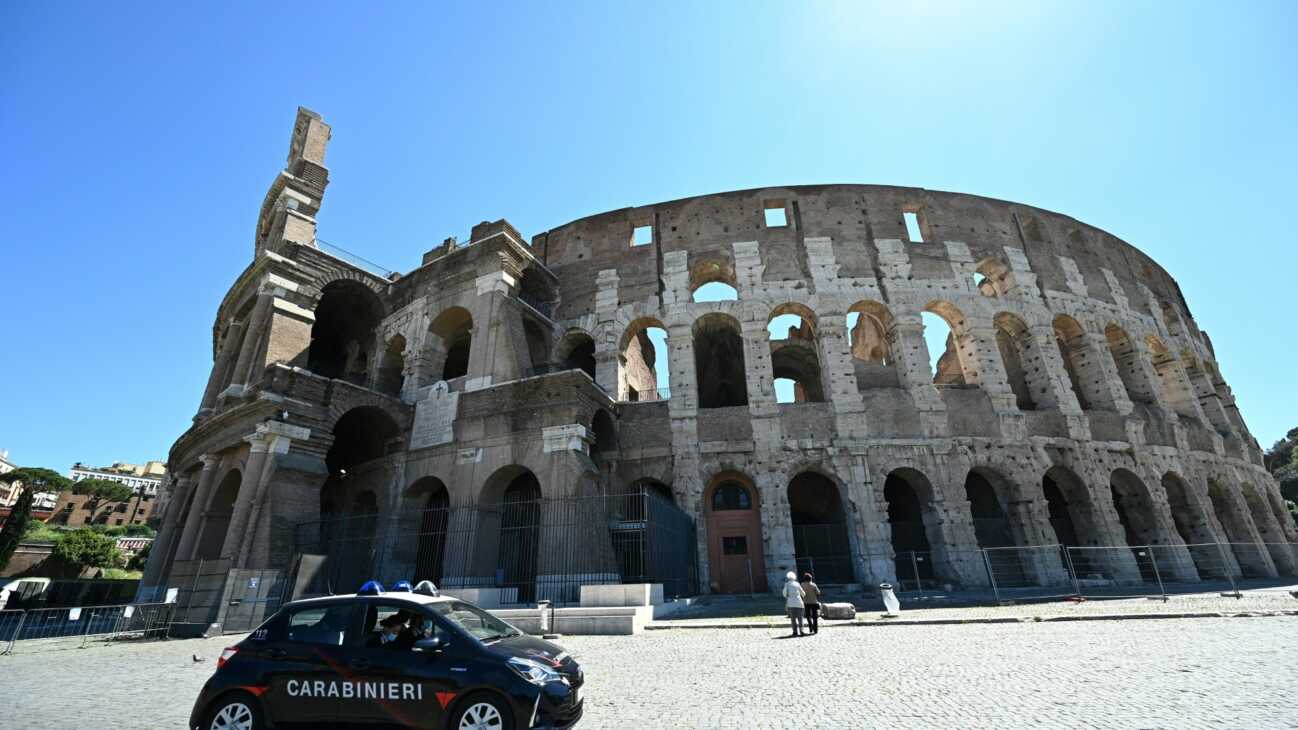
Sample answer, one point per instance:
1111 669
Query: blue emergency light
401 586
371 588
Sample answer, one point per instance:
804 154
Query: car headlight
533 671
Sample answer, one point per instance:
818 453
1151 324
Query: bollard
890 602
547 615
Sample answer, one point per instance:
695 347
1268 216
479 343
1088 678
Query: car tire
234 711
481 711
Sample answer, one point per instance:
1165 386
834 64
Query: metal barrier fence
1046 571
80 625
200 585
524 549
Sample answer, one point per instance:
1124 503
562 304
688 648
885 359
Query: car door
302 659
405 687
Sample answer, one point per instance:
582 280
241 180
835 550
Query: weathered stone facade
1076 386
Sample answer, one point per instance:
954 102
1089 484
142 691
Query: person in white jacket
793 594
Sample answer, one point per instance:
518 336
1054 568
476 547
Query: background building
75 510
468 421
141 478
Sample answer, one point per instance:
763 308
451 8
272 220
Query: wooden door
734 524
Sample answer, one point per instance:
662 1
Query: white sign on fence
74 614
172 593
128 612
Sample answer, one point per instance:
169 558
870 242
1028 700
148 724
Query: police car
398 658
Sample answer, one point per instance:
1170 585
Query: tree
140 559
15 527
102 490
1282 462
87 549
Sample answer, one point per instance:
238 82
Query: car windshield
481 625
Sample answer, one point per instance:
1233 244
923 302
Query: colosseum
709 392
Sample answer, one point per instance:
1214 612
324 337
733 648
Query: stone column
198 508
1111 384
256 334
271 439
164 545
491 351
221 365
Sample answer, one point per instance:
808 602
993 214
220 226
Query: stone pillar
246 367
1043 561
491 351
203 494
271 439
912 356
981 362
168 534
1111 383
221 365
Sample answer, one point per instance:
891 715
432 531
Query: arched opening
640 555
1061 518
392 367
1192 526
943 327
1136 514
1021 360
1084 374
349 495
795 358
1171 380
870 329
912 552
735 548
992 278
578 351
820 540
991 525
520 535
603 435
430 497
719 362
713 280
1238 529
451 343
1269 531
1127 359
217 517
342 336
643 368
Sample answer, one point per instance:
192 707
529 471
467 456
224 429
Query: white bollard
890 602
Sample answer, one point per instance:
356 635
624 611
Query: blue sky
138 141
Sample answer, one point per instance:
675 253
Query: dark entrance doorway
820 540
912 553
520 536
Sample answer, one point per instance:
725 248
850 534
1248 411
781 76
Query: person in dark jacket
811 599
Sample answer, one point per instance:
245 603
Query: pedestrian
811 597
793 602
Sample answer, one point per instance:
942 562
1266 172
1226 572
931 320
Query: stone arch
427 512
987 493
1194 527
1239 531
538 345
392 367
353 490
993 277
343 334
719 361
871 332
1138 516
736 550
451 343
1171 379
1127 360
1024 370
536 290
639 369
1269 530
576 351
956 365
820 536
216 518
509 531
1072 513
603 434
1085 373
795 353
712 271
913 525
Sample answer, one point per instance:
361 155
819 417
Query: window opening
642 235
775 216
912 226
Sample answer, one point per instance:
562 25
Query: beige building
76 510
141 478
451 411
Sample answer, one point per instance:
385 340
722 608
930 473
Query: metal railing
1108 571
524 550
79 625
648 396
359 262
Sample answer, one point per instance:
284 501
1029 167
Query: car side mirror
433 644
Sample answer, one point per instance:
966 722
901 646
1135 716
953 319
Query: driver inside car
390 632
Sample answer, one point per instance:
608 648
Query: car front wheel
482 712
236 711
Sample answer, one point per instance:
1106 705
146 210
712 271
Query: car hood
530 647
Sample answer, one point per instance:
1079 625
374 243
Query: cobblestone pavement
1194 673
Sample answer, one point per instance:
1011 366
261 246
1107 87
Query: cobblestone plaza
1237 672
